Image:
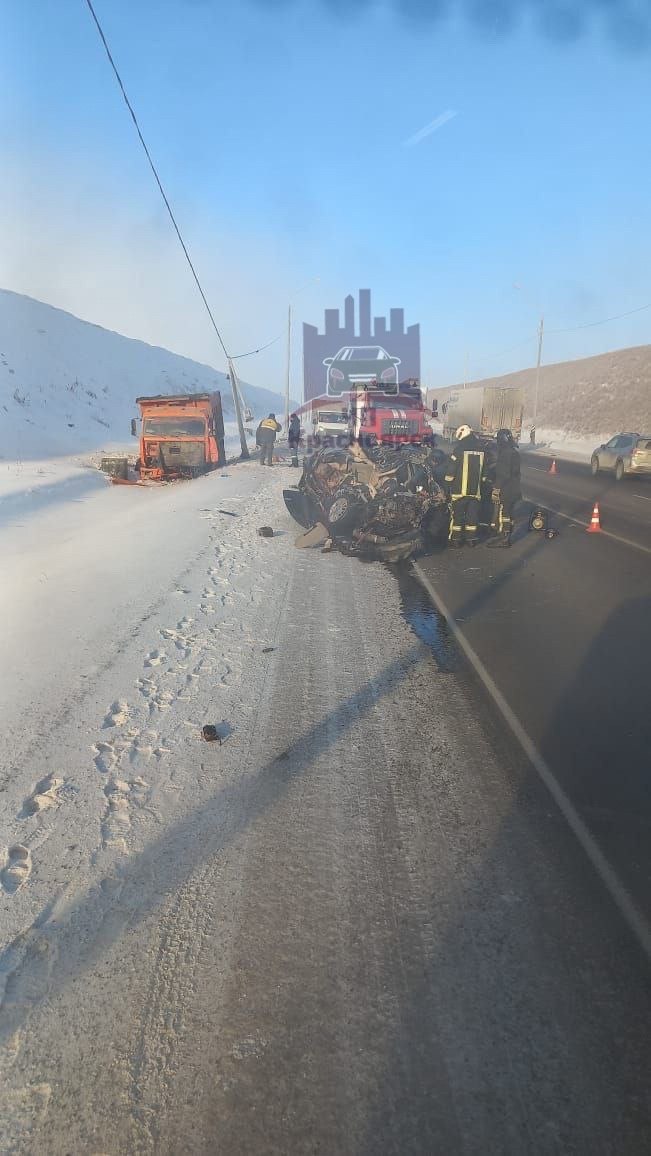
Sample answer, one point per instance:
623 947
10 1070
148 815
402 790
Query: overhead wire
604 321
571 329
239 356
157 179
520 344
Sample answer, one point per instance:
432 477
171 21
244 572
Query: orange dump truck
181 435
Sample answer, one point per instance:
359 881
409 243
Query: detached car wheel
619 470
594 466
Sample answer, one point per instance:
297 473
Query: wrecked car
379 503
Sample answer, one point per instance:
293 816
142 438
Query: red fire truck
389 415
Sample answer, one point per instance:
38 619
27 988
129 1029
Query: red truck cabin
389 419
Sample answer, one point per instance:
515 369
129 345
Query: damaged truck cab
181 435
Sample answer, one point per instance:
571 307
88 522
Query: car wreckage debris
211 734
317 535
378 503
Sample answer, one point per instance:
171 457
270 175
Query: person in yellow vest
266 437
466 470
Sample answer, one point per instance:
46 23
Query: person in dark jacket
294 433
266 437
487 506
506 489
466 470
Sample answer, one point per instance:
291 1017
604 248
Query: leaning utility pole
238 408
541 330
289 364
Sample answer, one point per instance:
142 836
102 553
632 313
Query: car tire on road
594 465
619 470
346 511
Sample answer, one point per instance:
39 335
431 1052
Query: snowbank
68 387
563 444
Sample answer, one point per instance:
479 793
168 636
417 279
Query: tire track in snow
223 650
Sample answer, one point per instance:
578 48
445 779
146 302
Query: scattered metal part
115 467
316 535
211 734
266 532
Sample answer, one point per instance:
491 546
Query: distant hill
67 386
595 395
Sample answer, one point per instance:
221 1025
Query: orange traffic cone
552 469
595 524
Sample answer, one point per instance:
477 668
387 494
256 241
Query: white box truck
485 408
330 422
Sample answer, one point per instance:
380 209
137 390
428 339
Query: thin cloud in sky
439 121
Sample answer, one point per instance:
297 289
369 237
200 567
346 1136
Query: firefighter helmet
504 437
464 431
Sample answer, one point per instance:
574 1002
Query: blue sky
280 130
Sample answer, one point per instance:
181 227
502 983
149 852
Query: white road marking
606 533
616 889
644 497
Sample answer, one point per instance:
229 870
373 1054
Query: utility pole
289 364
541 330
238 408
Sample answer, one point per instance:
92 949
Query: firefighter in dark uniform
465 473
487 505
506 489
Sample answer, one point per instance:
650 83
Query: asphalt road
360 926
563 627
625 506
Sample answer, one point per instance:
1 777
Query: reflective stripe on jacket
466 469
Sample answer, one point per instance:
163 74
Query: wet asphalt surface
564 628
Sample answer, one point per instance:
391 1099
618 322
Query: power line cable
157 178
236 389
511 348
591 324
571 329
239 356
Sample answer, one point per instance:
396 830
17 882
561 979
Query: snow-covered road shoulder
131 618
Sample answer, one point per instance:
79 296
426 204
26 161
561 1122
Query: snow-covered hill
68 387
591 398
